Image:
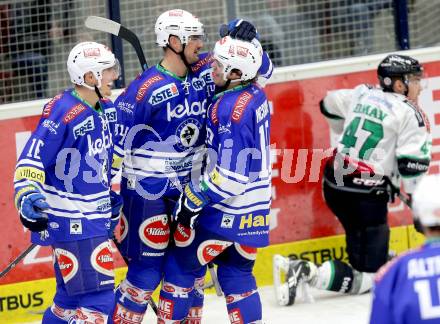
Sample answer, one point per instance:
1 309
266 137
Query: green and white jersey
382 129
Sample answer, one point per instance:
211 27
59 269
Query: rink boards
26 301
300 221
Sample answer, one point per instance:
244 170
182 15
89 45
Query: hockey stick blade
103 24
112 27
17 259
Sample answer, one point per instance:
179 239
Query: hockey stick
112 27
405 199
18 259
218 289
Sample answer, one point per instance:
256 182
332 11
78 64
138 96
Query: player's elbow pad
412 167
325 111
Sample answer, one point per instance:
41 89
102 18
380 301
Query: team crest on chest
188 132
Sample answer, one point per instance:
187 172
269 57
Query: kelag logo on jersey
85 126
100 144
164 93
195 109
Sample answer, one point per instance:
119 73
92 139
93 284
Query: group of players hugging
191 138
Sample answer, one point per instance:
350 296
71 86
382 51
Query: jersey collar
163 70
97 109
236 88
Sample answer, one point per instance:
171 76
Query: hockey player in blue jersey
62 187
407 288
224 215
160 137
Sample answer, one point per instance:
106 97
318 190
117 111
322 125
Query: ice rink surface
328 308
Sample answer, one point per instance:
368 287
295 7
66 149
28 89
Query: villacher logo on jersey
68 264
155 232
102 259
183 236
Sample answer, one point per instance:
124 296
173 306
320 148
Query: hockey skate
299 274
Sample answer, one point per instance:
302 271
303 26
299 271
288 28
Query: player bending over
384 139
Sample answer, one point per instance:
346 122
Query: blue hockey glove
189 206
239 29
116 203
31 205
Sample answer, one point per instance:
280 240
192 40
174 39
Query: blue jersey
237 177
68 159
407 289
160 134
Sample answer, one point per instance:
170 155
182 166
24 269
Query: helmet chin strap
98 93
181 54
406 83
95 88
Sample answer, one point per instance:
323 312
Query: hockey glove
189 206
31 204
116 203
239 29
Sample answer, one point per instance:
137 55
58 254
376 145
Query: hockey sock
131 303
240 289
334 275
132 295
338 276
244 308
197 298
174 302
362 282
57 315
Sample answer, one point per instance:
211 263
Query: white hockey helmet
179 23
426 202
90 57
241 55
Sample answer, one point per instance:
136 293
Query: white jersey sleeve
413 147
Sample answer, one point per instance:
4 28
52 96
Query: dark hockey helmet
396 66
